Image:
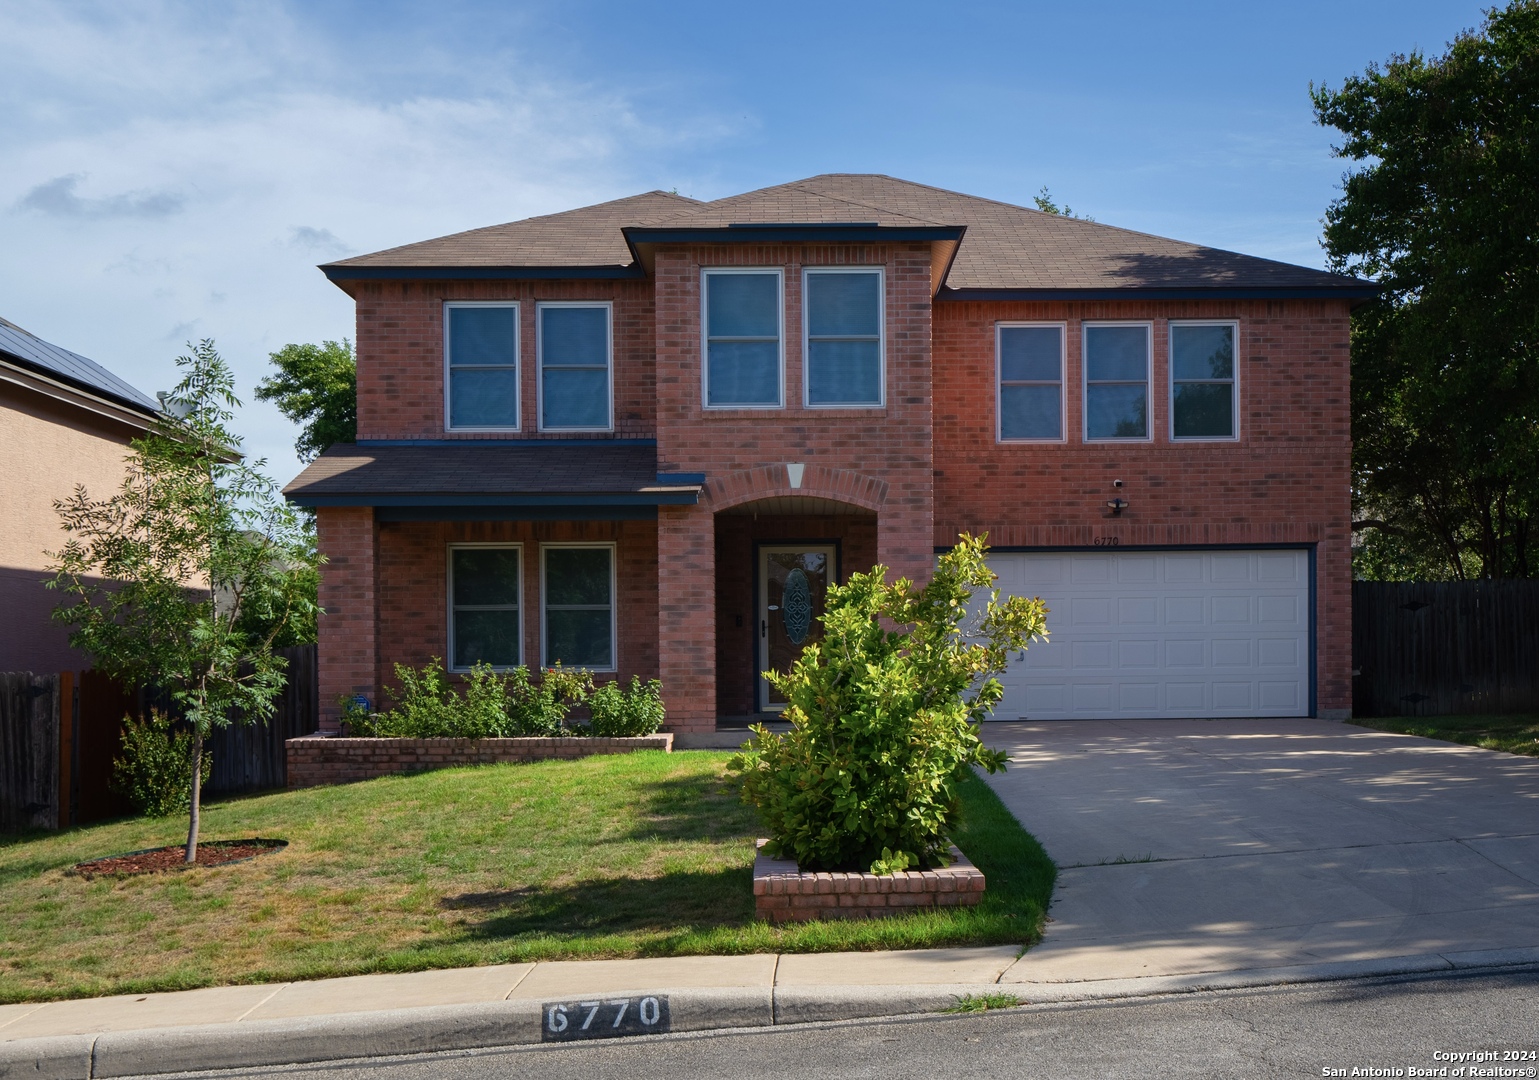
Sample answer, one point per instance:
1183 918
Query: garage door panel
1161 633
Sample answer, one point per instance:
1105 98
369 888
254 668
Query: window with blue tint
844 337
481 346
484 624
1202 381
742 338
1030 382
574 367
1117 382
578 595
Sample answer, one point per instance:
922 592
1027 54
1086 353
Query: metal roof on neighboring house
32 352
1005 250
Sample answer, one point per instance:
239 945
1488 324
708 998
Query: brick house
644 437
64 420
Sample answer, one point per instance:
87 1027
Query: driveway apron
1190 846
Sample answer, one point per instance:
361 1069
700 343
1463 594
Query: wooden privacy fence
1445 647
60 733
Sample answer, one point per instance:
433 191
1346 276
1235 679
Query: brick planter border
783 893
317 760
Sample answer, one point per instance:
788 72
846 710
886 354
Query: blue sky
176 170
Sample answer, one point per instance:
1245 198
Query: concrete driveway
1190 846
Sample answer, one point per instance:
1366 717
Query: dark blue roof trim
1345 291
506 442
504 513
651 498
478 273
681 478
749 232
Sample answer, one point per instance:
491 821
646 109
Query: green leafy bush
884 717
541 707
155 769
619 711
493 704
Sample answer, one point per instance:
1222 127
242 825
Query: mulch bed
172 857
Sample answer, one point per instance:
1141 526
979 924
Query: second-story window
844 337
481 376
742 339
575 384
1030 382
1202 380
1117 381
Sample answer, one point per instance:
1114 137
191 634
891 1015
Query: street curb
438 1028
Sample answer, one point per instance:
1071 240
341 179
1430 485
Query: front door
793 585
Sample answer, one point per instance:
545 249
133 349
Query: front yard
1516 733
646 854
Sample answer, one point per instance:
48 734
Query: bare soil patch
173 857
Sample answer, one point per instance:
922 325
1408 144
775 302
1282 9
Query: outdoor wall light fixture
1117 506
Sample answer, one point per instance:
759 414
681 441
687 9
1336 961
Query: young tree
163 574
317 386
1442 209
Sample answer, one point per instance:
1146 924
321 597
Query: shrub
618 711
155 769
884 717
541 708
493 705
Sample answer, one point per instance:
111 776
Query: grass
977 1003
1517 733
645 854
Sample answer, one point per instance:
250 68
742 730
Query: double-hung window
843 354
1116 380
481 372
575 367
1202 402
484 623
578 591
743 350
1030 381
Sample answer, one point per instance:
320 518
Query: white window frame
1234 381
1084 381
614 603
809 272
705 334
518 364
999 382
523 599
609 359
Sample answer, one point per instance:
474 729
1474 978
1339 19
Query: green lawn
1517 733
636 855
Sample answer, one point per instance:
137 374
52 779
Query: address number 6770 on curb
607 1018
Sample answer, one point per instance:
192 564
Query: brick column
686 615
348 646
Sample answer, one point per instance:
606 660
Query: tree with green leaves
884 714
166 575
1441 208
1046 204
317 386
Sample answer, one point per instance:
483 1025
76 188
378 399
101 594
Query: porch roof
519 478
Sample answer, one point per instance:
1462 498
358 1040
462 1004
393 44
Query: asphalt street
1377 1024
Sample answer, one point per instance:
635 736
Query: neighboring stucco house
64 420
645 436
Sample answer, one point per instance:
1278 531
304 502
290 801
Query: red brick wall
401 353
856 452
737 606
1287 479
413 590
347 625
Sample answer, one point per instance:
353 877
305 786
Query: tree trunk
197 795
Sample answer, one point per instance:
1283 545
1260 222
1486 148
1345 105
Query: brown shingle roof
405 474
1006 247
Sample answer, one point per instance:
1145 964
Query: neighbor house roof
421 478
1005 251
31 352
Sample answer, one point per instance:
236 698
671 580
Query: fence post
63 818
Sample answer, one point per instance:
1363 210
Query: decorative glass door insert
793 585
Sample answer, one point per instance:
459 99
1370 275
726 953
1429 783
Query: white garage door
1161 634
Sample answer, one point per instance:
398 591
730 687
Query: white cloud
175 171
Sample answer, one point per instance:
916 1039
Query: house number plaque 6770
603 1018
